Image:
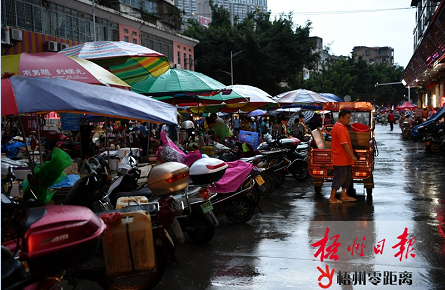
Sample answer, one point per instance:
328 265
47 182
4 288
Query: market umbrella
54 65
258 99
333 97
300 96
406 106
308 115
22 95
129 62
178 83
257 113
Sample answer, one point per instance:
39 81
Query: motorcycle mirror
96 138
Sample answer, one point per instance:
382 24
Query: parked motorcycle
295 162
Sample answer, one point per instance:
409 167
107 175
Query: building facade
37 26
426 69
424 14
375 55
238 8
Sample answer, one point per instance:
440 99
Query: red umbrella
406 106
56 65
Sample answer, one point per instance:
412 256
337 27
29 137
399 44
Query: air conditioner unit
16 34
62 46
6 40
177 66
51 46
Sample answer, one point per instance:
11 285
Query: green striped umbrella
129 62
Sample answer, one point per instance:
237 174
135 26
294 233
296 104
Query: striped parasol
129 62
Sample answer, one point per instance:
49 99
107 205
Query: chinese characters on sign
331 251
56 73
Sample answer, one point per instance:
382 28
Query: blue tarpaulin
67 182
11 150
435 117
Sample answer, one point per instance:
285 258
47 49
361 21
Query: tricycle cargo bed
320 164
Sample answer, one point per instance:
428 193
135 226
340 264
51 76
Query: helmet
131 123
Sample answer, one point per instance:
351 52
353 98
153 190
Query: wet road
274 251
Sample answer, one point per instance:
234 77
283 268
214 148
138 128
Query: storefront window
56 20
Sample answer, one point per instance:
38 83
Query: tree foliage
355 77
271 51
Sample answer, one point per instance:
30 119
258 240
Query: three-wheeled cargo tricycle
363 145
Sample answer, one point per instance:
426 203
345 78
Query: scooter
406 130
33 234
235 193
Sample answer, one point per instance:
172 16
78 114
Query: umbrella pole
38 137
107 141
26 144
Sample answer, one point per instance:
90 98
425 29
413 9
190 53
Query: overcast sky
349 23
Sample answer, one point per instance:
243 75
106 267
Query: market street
273 250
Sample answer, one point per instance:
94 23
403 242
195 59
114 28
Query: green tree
271 51
355 77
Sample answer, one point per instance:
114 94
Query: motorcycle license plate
206 207
259 179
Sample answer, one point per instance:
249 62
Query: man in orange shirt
342 158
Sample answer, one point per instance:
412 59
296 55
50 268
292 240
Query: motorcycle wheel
317 189
247 212
300 171
269 185
204 231
280 177
139 281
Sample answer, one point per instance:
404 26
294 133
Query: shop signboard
70 122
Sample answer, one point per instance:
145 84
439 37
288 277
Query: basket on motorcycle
132 246
130 200
168 178
59 237
207 170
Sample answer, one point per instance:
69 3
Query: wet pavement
274 251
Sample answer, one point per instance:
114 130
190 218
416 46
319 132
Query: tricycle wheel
369 191
317 189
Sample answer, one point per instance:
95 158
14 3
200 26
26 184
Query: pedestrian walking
391 118
342 158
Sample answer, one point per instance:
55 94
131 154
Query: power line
347 11
338 12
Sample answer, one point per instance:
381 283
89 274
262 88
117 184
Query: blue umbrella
332 96
257 113
22 95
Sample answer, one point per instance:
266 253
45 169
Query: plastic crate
249 137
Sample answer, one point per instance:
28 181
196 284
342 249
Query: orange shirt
340 135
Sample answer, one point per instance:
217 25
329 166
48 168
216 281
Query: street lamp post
231 63
395 83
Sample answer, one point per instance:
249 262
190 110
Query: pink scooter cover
234 177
